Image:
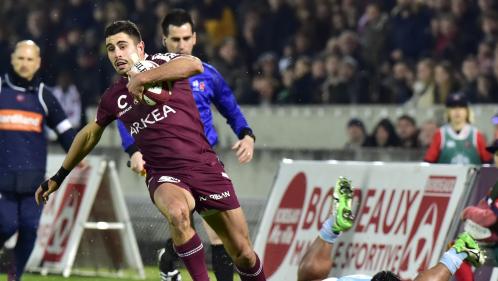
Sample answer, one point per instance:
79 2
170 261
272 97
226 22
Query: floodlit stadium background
300 69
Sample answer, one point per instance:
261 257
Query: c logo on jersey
122 104
20 120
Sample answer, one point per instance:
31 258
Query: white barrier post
78 226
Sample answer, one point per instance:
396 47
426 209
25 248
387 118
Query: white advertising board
404 214
86 219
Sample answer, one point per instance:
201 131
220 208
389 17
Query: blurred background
317 79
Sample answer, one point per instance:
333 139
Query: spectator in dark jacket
409 30
406 127
383 135
352 87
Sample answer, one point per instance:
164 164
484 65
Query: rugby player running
183 172
208 88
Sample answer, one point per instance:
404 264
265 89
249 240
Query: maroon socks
252 274
192 255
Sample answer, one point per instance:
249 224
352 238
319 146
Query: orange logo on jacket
20 120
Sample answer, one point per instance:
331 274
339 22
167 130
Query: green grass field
152 274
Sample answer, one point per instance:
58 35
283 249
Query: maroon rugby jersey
169 135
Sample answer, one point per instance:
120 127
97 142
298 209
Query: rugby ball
154 93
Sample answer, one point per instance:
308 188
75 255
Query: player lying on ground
183 172
317 262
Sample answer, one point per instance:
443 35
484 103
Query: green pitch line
151 272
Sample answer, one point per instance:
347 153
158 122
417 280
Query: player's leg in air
317 261
464 249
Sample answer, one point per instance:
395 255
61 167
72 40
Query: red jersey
450 147
169 135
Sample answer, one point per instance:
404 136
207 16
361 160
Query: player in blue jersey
208 88
26 107
317 261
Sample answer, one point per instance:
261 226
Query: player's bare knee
244 257
178 216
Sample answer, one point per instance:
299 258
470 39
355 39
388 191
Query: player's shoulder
475 129
210 73
46 91
47 98
116 89
210 69
47 88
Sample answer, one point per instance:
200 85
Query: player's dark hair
124 26
177 17
385 276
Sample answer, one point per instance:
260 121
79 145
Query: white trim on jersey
63 126
464 133
0 84
40 98
17 88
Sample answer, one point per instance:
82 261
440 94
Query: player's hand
244 149
44 190
135 86
137 163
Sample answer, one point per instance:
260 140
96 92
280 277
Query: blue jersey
208 88
26 108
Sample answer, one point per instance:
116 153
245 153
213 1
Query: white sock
326 232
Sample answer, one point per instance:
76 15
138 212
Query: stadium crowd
282 51
403 133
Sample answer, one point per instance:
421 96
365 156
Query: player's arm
227 105
172 67
129 146
57 119
177 68
83 143
438 272
127 141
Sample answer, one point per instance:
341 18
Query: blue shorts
21 182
